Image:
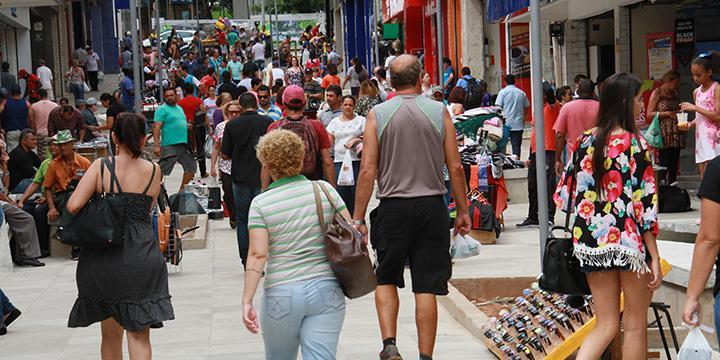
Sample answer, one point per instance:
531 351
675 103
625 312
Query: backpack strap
152 177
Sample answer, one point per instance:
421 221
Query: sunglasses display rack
539 325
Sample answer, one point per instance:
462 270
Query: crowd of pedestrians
284 129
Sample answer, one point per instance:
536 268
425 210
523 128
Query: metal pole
439 52
262 16
377 33
197 15
158 57
537 110
134 18
277 30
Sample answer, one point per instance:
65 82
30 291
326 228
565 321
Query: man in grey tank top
407 141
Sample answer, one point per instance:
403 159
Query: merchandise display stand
541 325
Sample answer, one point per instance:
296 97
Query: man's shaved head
405 72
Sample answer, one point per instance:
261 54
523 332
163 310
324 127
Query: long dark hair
358 66
617 109
129 128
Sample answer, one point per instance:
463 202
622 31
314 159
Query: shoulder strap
103 164
152 177
329 197
113 178
571 189
318 205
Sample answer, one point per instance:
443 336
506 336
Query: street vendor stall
482 135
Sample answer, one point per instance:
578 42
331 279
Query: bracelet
262 273
358 222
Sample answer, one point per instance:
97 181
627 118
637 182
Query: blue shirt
15 116
127 91
446 77
273 112
463 82
236 69
174 125
513 102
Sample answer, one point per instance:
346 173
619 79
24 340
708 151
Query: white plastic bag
464 247
208 146
695 346
346 177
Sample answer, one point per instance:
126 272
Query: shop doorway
601 60
78 25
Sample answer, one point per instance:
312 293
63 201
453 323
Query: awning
561 10
498 9
4 4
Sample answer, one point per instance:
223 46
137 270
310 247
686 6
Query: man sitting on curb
62 177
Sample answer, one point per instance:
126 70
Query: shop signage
684 31
392 8
520 51
685 40
659 54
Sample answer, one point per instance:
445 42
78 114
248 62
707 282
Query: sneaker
528 222
390 352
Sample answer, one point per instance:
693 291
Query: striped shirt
288 212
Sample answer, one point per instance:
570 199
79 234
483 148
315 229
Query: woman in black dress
124 288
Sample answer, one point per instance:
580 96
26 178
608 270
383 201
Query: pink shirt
576 117
41 114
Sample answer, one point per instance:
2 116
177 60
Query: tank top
707 132
410 132
15 116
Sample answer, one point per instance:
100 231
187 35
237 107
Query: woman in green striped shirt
303 305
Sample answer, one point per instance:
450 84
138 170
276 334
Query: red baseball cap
293 94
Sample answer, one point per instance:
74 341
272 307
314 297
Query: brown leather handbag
346 251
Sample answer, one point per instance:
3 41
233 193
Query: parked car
185 35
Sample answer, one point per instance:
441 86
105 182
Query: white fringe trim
611 255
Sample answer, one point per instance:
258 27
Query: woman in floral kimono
611 183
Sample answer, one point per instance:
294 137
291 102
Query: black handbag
101 223
560 268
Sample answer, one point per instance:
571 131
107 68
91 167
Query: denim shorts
307 314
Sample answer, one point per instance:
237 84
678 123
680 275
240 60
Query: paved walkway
207 295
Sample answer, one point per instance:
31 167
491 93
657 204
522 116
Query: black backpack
472 85
673 199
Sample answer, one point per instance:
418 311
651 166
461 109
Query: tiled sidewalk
207 300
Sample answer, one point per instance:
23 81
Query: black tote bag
100 224
560 269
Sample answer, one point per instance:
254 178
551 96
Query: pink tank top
707 132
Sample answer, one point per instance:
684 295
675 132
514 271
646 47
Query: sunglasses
235 112
263 96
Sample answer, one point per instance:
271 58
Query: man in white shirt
46 78
93 66
277 72
258 50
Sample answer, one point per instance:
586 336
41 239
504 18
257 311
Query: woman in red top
208 81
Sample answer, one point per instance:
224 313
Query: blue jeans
308 314
243 197
6 307
516 138
347 193
716 310
78 91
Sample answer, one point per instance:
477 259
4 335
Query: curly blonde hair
282 152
